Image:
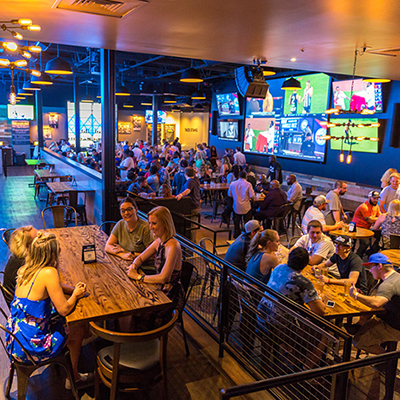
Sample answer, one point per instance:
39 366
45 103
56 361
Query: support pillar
77 116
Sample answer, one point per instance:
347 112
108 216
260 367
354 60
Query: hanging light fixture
22 23
122 91
43 79
291 84
169 100
58 66
126 105
146 103
198 96
28 86
376 80
175 108
191 75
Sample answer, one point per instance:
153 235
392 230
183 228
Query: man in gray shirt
334 210
295 192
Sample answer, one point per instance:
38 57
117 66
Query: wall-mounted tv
228 129
20 112
290 137
312 98
365 146
366 95
161 117
228 104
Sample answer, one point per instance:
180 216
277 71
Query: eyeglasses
125 210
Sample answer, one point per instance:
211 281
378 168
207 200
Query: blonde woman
38 291
261 257
20 242
168 262
389 223
385 180
226 166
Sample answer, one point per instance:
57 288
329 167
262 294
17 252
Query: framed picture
124 128
137 123
169 132
47 132
53 120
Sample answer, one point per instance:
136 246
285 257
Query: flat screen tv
366 95
20 112
228 129
365 146
228 104
289 137
161 117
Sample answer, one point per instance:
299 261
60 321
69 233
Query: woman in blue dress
37 296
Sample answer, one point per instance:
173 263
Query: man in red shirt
364 217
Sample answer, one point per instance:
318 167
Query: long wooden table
394 256
111 293
48 174
345 306
62 187
361 233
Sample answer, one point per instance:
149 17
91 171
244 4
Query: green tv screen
365 146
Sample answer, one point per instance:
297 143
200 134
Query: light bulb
20 63
17 35
24 21
4 62
11 46
34 28
26 54
349 158
341 157
35 73
35 49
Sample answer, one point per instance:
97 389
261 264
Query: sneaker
85 380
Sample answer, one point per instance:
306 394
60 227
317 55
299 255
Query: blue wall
364 169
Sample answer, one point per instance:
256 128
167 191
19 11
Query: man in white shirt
127 163
315 213
137 153
239 157
319 246
295 192
241 191
389 193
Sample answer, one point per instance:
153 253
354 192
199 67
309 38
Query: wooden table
215 186
48 174
30 161
394 256
361 233
62 187
112 293
345 306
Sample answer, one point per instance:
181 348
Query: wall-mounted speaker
395 137
250 82
213 128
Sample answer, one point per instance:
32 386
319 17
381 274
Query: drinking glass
324 271
346 288
317 272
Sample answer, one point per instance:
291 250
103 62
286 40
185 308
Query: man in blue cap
387 295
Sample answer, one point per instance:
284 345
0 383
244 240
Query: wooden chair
394 241
292 241
281 222
24 371
59 215
4 291
59 198
189 277
107 226
135 361
6 236
80 208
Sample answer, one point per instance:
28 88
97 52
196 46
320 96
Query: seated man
262 185
349 265
319 246
315 212
295 192
366 214
140 186
237 251
272 204
387 327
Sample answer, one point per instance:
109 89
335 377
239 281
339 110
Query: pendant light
58 66
43 79
191 75
291 84
28 86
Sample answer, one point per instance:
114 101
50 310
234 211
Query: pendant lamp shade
58 66
191 75
291 84
28 86
122 91
169 100
198 96
43 79
376 80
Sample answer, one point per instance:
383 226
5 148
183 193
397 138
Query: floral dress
32 323
390 226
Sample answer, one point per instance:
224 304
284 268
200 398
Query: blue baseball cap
378 258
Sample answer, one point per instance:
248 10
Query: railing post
223 309
340 381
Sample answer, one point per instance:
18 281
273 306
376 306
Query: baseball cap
373 193
251 226
344 240
319 200
378 258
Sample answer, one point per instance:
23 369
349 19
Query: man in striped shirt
315 212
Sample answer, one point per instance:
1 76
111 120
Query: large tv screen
290 137
228 104
366 95
228 129
161 117
20 112
365 146
312 98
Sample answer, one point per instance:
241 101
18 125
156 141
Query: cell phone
330 303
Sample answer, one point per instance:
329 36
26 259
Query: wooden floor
199 376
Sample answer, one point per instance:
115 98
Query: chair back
349 215
6 236
59 215
395 241
206 242
107 226
292 241
189 275
67 178
121 337
5 292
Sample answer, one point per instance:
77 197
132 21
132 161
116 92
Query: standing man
387 327
191 188
308 146
334 211
308 93
295 192
275 170
294 99
349 264
315 212
237 251
319 246
366 215
239 157
241 191
390 192
248 138
127 163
